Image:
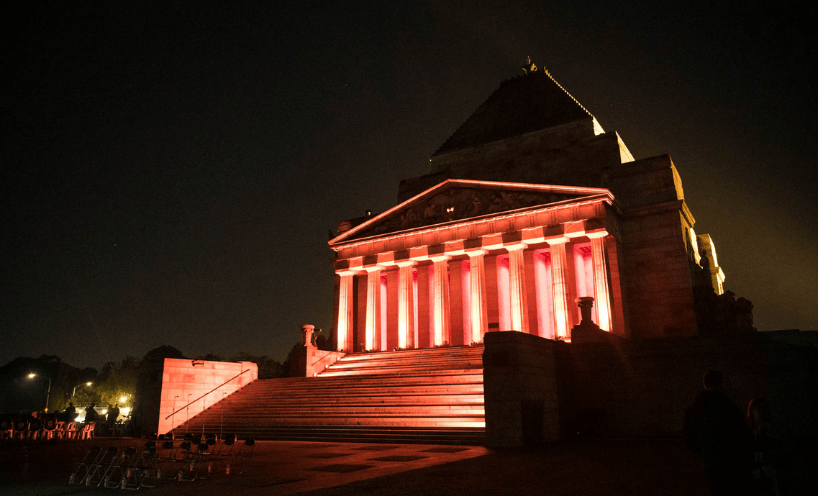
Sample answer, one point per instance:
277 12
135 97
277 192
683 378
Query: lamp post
78 385
47 394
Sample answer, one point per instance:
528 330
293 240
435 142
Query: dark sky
170 170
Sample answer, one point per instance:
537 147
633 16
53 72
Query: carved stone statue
529 66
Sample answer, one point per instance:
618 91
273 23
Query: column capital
345 272
348 264
372 268
597 234
476 253
557 241
439 258
406 263
516 247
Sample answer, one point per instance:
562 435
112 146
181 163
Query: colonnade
528 288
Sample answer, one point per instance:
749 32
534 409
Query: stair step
429 395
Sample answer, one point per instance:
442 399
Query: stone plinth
520 388
308 360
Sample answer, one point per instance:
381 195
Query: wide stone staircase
430 396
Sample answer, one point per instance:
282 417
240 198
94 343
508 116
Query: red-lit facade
468 257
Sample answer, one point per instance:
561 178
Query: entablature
583 221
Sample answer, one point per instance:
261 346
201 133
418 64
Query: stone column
562 320
441 301
406 306
373 308
477 293
344 332
601 291
517 290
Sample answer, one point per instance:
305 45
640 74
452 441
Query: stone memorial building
528 206
456 311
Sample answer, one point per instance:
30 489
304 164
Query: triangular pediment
457 200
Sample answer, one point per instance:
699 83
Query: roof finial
529 66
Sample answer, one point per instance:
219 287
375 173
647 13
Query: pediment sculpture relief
458 204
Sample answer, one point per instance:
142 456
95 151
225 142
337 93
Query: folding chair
205 455
81 471
87 431
166 459
34 429
221 456
226 448
100 466
187 456
115 473
144 471
20 428
117 429
50 426
6 428
58 430
135 472
141 469
246 453
70 430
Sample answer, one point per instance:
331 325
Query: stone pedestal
586 331
308 331
308 360
520 390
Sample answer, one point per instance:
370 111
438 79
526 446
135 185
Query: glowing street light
78 385
48 394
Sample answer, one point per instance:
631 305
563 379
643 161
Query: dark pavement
587 467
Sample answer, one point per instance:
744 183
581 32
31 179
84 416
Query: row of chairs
211 453
182 462
48 428
115 468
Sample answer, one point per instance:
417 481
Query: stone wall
656 276
186 380
520 388
638 389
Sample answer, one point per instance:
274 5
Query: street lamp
48 394
78 385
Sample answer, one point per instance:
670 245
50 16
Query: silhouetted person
765 446
70 413
91 415
715 428
113 414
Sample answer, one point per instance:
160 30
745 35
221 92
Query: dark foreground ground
589 467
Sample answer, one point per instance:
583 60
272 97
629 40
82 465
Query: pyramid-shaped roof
524 104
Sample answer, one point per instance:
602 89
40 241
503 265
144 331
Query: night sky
170 171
